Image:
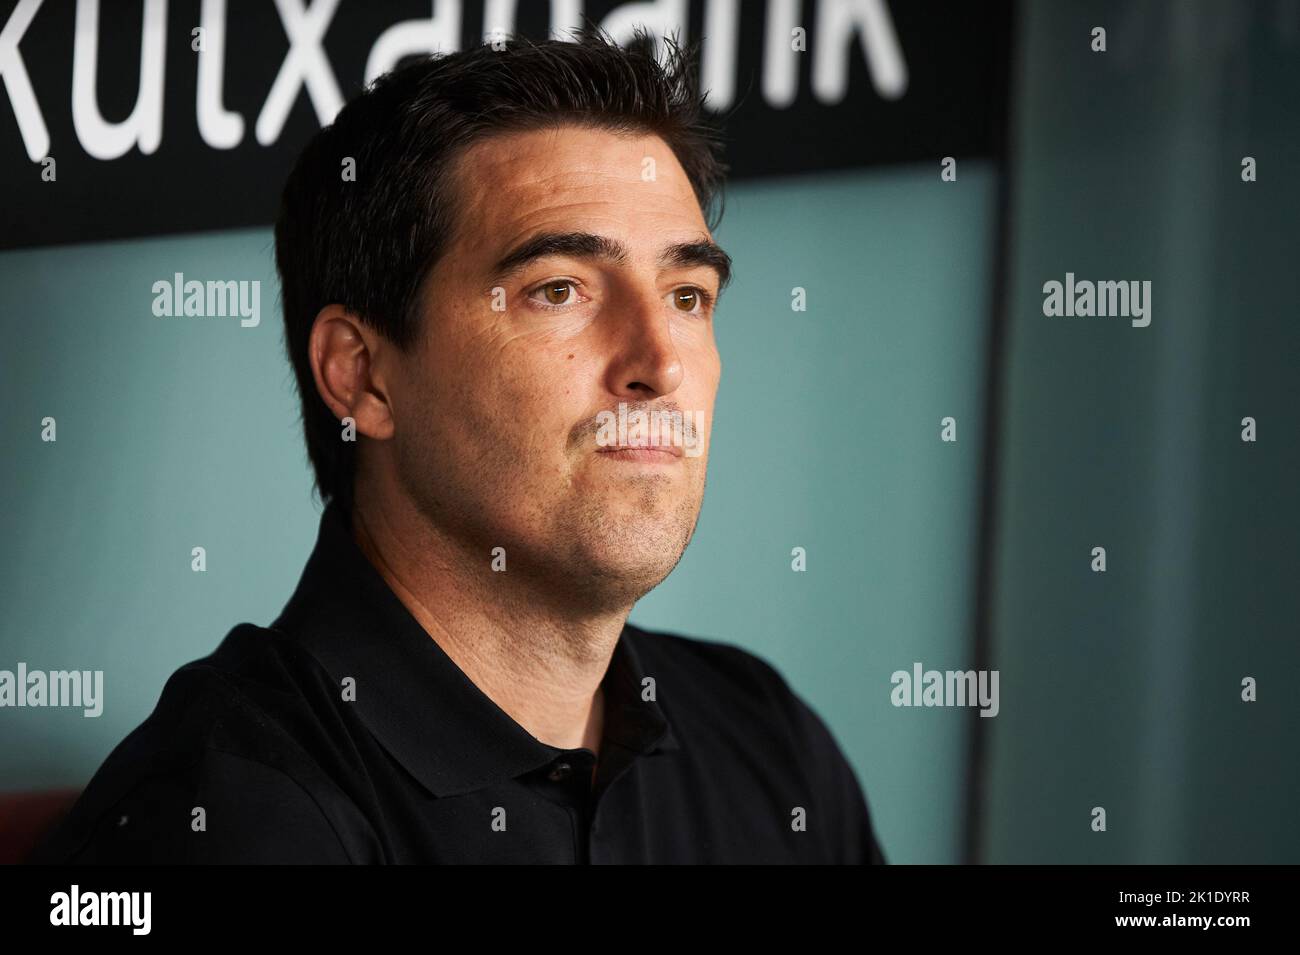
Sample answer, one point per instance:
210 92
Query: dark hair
368 244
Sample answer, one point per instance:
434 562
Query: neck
542 664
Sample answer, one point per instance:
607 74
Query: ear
342 351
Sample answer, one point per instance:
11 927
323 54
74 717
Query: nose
644 360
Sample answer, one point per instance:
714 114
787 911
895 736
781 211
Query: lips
649 449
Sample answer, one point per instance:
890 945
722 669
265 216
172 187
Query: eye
691 299
556 294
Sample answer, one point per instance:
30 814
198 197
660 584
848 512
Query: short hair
368 244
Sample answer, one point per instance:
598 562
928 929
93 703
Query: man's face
498 408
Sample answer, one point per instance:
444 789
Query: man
496 268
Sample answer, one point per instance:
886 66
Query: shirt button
560 771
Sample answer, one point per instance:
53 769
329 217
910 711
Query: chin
629 570
629 551
638 563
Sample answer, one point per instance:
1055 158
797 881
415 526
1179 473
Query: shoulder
258 695
226 768
733 696
696 671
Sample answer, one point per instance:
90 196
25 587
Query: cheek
703 371
525 400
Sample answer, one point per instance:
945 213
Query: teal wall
1123 690
177 432
171 433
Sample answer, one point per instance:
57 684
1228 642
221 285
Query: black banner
1146 905
145 117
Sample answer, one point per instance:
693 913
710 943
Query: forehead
512 184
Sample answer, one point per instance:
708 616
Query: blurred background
919 170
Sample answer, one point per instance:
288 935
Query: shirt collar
414 698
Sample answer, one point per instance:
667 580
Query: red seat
27 816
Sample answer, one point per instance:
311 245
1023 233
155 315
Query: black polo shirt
343 733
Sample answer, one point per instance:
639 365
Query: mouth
648 454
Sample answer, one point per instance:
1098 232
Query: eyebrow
589 245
